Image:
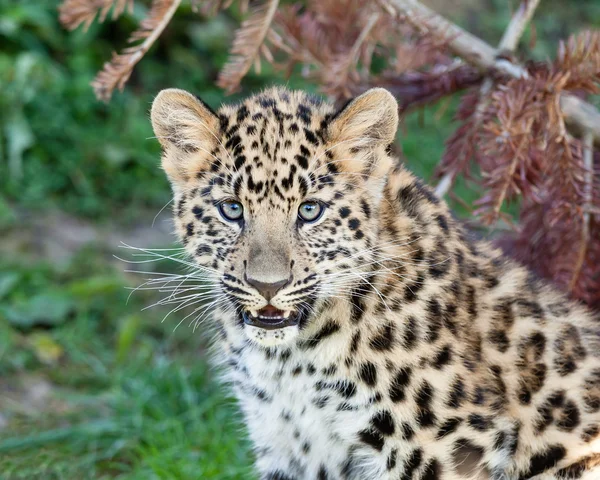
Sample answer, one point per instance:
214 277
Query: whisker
192 313
164 257
161 210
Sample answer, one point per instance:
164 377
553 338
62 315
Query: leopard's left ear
368 121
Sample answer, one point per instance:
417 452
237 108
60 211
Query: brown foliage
461 147
512 137
73 13
528 154
117 71
337 41
247 46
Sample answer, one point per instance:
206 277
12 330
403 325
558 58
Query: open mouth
270 318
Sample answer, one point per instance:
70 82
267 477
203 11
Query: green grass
128 398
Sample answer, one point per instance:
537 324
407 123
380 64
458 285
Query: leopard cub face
276 199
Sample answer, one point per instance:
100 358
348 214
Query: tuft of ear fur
186 128
368 121
362 131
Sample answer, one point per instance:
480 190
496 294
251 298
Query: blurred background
91 385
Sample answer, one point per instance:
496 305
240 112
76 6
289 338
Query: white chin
271 338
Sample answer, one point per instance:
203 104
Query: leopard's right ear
187 129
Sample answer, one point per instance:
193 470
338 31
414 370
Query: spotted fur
422 353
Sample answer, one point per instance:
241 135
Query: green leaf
19 138
96 285
45 348
50 309
7 282
8 216
128 332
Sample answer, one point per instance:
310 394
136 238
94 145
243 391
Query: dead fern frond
511 159
416 52
342 74
247 44
528 153
461 147
210 8
292 23
555 228
73 13
335 41
116 72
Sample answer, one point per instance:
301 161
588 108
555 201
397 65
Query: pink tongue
270 311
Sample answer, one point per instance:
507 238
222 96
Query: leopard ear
187 129
368 121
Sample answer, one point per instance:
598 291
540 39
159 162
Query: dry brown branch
416 89
511 158
455 160
334 41
247 44
116 72
580 115
461 147
345 65
73 13
580 56
483 56
584 241
508 43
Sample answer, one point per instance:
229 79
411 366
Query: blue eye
231 210
310 211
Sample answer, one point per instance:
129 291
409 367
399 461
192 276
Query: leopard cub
365 334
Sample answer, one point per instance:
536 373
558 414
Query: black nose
268 290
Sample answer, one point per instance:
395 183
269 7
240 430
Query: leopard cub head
276 199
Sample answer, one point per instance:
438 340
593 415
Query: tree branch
115 73
579 114
415 89
462 43
588 162
508 43
517 25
